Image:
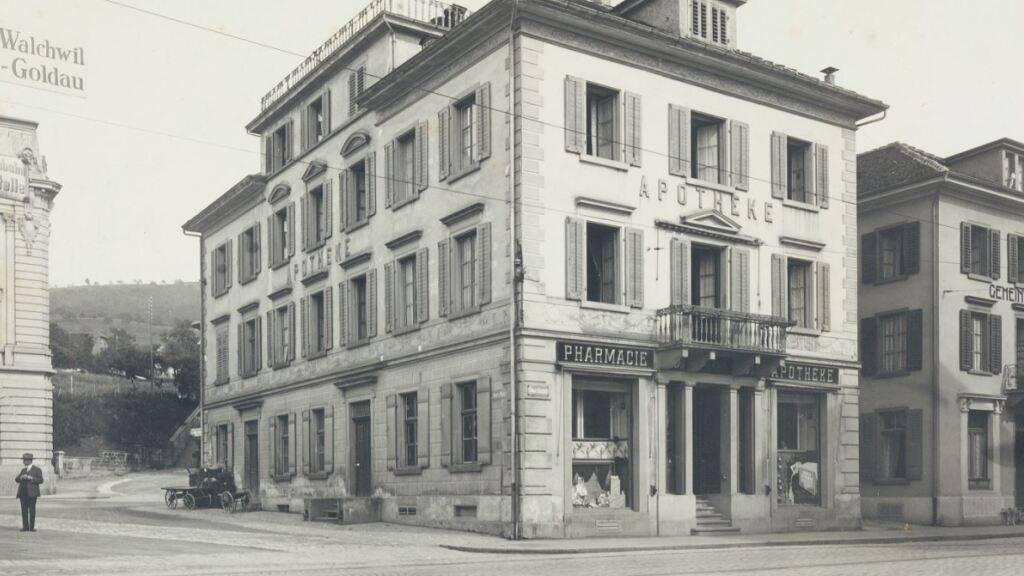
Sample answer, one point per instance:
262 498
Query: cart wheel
227 502
190 502
170 499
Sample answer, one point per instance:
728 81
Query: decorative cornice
280 292
248 191
706 232
315 277
220 319
1017 307
357 380
598 204
249 307
356 259
404 239
280 192
254 404
802 243
462 214
980 301
355 142
314 169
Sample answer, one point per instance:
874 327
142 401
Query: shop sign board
598 354
807 373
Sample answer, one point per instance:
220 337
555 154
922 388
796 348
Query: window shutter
289 140
291 229
915 440
352 87
868 425
966 348
241 348
304 319
243 271
229 253
725 177
483 420
231 445
389 296
329 439
679 269
270 339
740 161
292 448
257 238
869 258
824 298
965 248
343 199
1011 258
258 348
484 261
329 317
869 346
446 423
272 241
912 247
306 128
443 143
915 339
392 438
423 427
995 326
328 208
307 444
574 264
443 284
343 313
422 285
821 174
304 204
739 281
995 258
422 156
268 154
371 303
272 446
780 176
483 126
678 141
634 267
575 114
779 286
291 332
371 184
633 129
389 174
325 107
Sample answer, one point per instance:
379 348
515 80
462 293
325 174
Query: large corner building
554 268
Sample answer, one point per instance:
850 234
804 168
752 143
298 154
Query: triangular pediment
279 192
315 168
712 220
355 142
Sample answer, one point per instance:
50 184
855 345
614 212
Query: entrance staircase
710 520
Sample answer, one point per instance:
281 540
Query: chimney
830 75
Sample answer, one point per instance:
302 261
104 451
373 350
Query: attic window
709 21
1013 171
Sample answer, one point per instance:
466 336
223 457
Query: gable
358 140
712 220
315 168
279 192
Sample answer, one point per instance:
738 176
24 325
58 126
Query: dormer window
709 21
278 148
1013 170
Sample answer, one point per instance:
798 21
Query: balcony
694 338
432 12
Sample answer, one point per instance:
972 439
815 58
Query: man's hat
27 456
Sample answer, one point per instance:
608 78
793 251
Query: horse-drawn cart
208 487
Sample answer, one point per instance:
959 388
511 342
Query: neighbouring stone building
555 268
26 398
941 419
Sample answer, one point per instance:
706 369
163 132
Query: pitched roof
894 165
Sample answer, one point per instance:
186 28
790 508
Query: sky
159 130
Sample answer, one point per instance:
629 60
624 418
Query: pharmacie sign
807 373
596 354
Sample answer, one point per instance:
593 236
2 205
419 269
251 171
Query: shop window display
601 444
799 453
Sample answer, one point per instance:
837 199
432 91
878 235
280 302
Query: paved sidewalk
871 534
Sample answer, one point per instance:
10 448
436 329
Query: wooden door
252 457
361 450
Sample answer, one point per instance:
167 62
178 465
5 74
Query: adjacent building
942 333
551 269
26 398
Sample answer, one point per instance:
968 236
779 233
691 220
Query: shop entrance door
1018 453
361 448
252 457
707 445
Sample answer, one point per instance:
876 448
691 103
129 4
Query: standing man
28 480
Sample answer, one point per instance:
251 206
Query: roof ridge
919 155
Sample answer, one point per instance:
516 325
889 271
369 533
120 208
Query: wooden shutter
352 92
392 430
257 238
868 426
229 254
484 262
443 143
272 446
912 247
824 298
304 319
739 279
821 174
483 125
291 332
634 267
231 446
271 352
329 439
421 157
291 229
268 154
371 303
780 174
371 184
679 271
724 154
966 348
915 441
243 270
389 174
575 114
740 149
575 266
306 128
443 283
869 258
329 317
307 444
483 420
422 285
633 129
344 199
289 140
869 346
241 348
678 141
915 339
389 296
304 207
272 241
995 257
423 427
1012 245
328 224
965 248
446 423
779 286
995 342
343 313
258 346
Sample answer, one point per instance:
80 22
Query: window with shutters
709 21
405 177
280 235
281 446
249 347
602 109
356 87
799 441
467 422
222 343
316 203
405 295
316 120
317 327
602 263
978 450
980 262
800 293
1013 170
980 342
892 448
799 167
410 444
317 440
464 132
890 343
221 446
708 146
890 253
221 269
465 135
358 291
358 209
464 266
980 252
249 261
978 353
278 148
1015 258
706 272
282 336
893 332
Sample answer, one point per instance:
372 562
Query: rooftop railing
439 14
720 329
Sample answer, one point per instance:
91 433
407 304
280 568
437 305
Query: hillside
97 309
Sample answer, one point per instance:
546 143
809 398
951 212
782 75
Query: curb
731 545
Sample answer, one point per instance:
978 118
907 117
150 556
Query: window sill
805 331
318 245
465 467
221 293
979 485
604 307
598 161
973 372
281 264
980 277
280 365
278 477
318 475
357 225
357 344
455 315
892 482
464 172
315 355
400 204
249 280
398 331
806 206
882 281
408 471
882 376
249 375
691 181
220 382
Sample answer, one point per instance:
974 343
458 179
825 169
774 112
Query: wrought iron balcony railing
696 326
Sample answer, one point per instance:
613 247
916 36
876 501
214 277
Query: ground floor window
602 423
799 448
977 450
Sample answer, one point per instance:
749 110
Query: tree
70 350
180 351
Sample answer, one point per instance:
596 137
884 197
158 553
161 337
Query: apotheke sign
596 354
806 373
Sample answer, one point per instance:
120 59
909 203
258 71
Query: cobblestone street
120 526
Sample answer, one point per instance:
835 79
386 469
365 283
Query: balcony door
706 276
